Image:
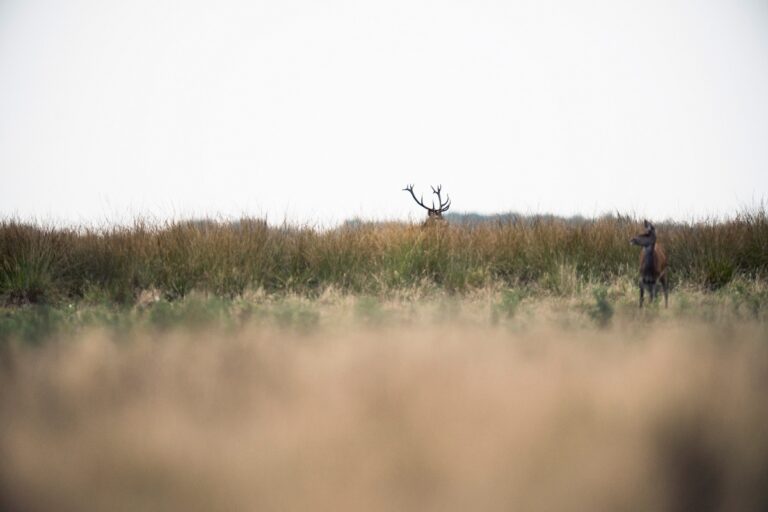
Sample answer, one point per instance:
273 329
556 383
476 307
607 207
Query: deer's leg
642 292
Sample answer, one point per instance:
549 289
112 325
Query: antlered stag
653 264
434 214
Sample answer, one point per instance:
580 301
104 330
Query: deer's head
434 213
647 238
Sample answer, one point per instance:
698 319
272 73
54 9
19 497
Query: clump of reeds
40 263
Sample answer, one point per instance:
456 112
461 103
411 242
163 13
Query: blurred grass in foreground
549 255
235 366
495 402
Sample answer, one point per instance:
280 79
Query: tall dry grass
662 416
47 264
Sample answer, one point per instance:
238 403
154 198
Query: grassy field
502 366
227 259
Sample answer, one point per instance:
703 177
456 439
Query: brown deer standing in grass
434 215
653 264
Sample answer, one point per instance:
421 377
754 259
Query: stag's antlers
443 206
409 188
432 212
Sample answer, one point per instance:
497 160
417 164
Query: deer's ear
646 224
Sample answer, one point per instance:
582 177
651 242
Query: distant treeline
495 218
49 264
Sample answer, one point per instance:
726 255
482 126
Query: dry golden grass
237 366
116 264
651 413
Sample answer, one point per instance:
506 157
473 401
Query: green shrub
601 311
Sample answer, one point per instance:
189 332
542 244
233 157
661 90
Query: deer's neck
649 260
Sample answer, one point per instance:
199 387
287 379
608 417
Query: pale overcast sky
323 110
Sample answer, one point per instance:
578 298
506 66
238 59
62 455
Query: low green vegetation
595 306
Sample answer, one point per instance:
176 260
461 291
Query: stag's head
647 237
434 213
